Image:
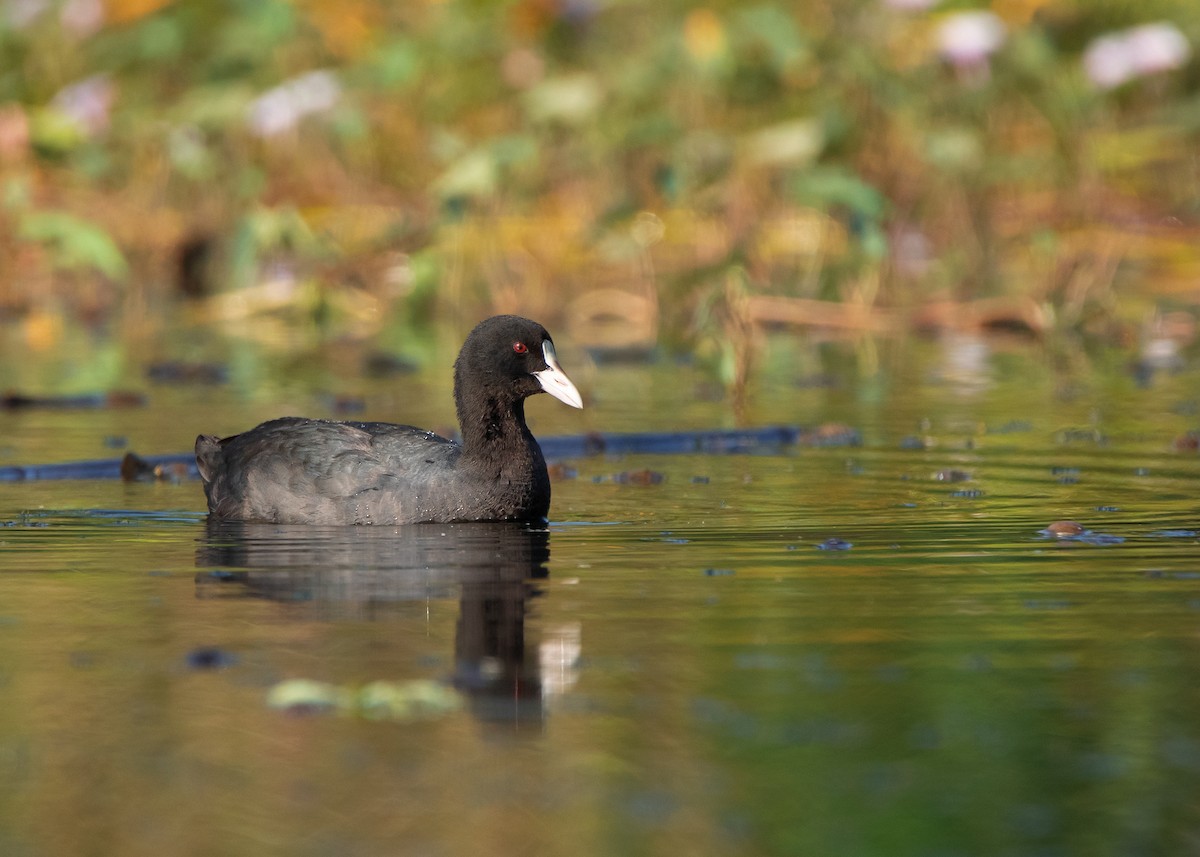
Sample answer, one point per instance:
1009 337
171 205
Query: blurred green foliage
73 243
498 154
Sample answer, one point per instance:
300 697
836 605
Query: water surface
851 650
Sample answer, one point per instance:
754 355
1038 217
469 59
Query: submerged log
711 442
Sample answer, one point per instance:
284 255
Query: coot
301 471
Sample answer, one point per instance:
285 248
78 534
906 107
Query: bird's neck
497 430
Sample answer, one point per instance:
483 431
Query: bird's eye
520 347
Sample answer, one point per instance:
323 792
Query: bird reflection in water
361 572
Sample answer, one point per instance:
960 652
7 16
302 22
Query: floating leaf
379 700
389 700
302 695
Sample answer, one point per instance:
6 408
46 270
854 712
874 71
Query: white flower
281 109
968 38
1115 58
1107 62
1157 47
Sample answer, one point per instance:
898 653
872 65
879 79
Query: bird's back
294 470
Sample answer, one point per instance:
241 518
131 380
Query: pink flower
82 17
88 102
1157 47
281 109
967 39
1107 62
1113 59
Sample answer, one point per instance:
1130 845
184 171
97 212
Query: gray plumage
304 471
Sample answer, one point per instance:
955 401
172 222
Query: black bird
301 471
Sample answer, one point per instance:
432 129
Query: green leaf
54 133
394 65
830 187
777 31
74 244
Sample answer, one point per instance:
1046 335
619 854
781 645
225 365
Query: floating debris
1159 574
305 696
834 544
639 477
1063 529
1072 531
137 469
719 572
343 405
1081 435
952 476
1099 538
717 441
183 464
12 401
419 699
1011 427
1189 442
1065 475
380 364
25 521
183 372
559 471
830 434
209 658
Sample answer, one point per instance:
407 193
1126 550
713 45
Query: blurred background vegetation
642 174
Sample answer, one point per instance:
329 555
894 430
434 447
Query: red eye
520 347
